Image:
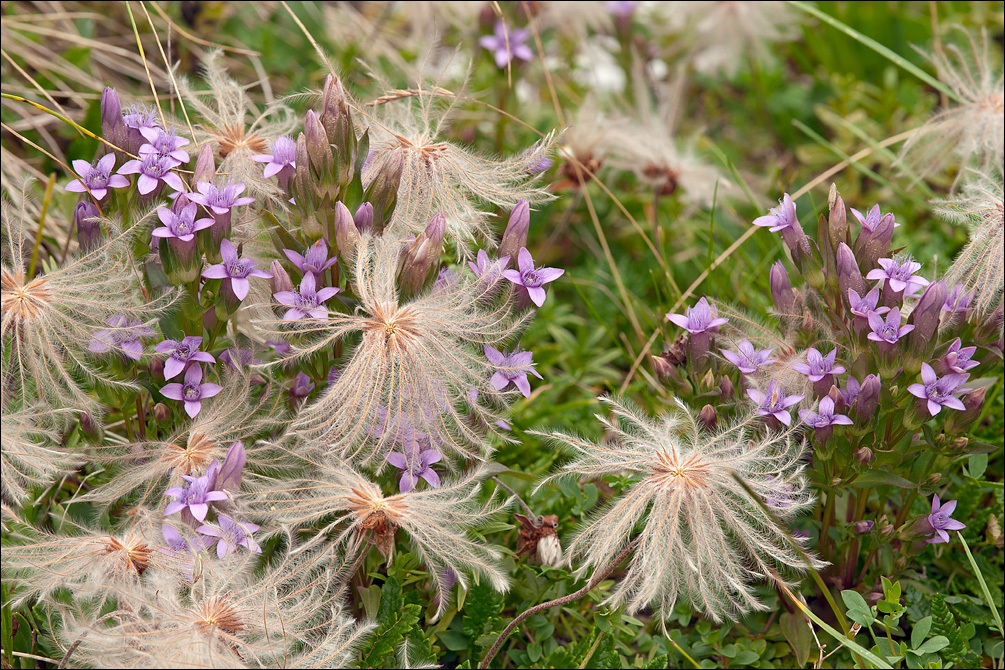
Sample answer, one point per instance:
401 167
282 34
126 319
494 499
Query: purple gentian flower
164 143
781 493
153 169
850 392
824 417
415 464
701 318
818 366
870 220
621 7
774 402
301 386
178 543
123 335
888 331
531 278
238 358
779 218
237 270
512 367
306 301
138 117
958 301
489 271
284 157
507 44
180 353
899 275
197 495
941 521
865 305
445 281
747 359
182 226
230 535
315 259
218 200
192 392
229 477
97 178
938 391
957 359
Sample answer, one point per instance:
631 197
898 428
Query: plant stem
46 199
526 507
564 600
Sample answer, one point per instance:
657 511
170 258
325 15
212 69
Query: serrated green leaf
394 628
484 604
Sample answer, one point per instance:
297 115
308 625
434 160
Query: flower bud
973 404
229 476
205 166
868 398
837 221
990 329
849 274
161 412
933 479
662 367
415 265
363 218
925 317
383 190
707 417
435 231
157 368
89 426
86 216
515 236
280 280
863 527
886 531
781 289
346 231
300 389
726 389
872 245
317 142
864 455
113 127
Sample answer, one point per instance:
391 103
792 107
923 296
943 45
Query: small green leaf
873 478
920 632
453 640
797 633
978 463
853 600
935 644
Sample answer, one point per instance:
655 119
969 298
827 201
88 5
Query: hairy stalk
564 600
526 507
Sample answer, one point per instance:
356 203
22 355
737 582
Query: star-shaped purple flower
958 358
530 278
414 464
850 392
701 318
181 353
230 535
97 178
958 301
238 358
937 391
774 402
941 521
507 44
197 495
284 157
182 226
824 417
306 301
315 259
747 359
220 201
124 335
779 218
512 368
865 305
192 392
153 169
164 143
818 366
138 117
872 219
237 270
899 275
888 331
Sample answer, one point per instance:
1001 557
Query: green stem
41 224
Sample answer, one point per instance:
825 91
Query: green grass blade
984 586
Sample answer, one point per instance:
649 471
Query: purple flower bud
873 242
837 221
864 456
301 387
925 317
280 279
205 166
113 128
87 218
707 417
229 477
868 397
515 236
863 527
973 405
849 276
781 290
726 389
346 231
363 218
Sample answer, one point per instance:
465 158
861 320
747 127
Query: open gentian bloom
779 218
938 392
507 44
489 271
899 275
871 219
123 335
238 358
747 359
512 368
230 535
182 226
818 366
237 270
958 301
941 521
192 392
958 358
530 278
888 331
415 464
220 201
824 417
180 353
153 169
164 143
284 155
774 402
97 178
862 306
315 259
197 495
306 301
701 318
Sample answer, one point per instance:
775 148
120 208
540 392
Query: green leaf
977 464
483 606
393 629
745 657
935 644
920 631
853 600
873 478
797 633
371 600
453 640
